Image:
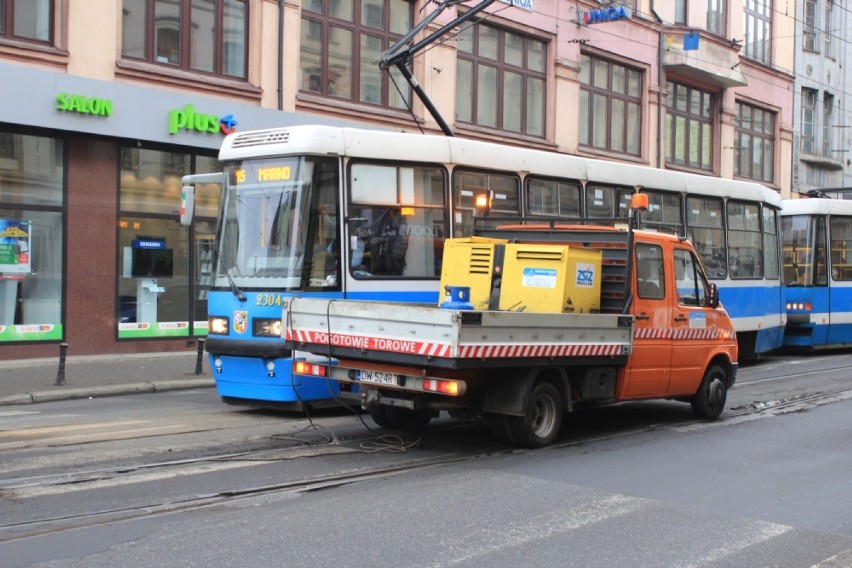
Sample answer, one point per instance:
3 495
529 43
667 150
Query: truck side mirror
187 205
713 298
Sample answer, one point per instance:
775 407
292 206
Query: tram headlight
217 325
266 327
804 306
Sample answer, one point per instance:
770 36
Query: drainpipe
660 84
281 54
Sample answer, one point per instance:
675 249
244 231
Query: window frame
323 84
480 62
807 125
690 120
747 136
589 93
757 18
717 17
185 39
810 31
7 22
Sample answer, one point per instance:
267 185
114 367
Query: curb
99 392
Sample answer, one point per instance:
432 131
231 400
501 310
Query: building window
610 106
717 17
32 225
689 127
827 35
341 44
209 36
164 268
500 80
758 29
30 20
808 114
754 143
680 7
809 29
827 125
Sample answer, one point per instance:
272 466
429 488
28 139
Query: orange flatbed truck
539 320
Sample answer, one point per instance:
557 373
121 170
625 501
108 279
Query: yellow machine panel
551 279
469 262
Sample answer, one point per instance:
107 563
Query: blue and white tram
817 253
733 224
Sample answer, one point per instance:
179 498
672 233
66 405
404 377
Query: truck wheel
379 415
709 401
542 418
407 419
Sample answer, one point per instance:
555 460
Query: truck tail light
452 388
314 370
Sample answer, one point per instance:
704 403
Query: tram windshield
279 225
804 250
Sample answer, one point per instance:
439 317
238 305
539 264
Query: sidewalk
28 381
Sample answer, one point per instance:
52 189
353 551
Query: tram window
553 197
841 248
664 214
707 233
397 221
745 251
504 188
607 202
770 243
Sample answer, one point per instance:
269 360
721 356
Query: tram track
19 488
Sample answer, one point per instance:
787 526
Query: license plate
380 377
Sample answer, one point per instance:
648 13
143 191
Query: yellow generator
551 279
469 261
542 278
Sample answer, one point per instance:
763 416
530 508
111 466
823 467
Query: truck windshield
278 225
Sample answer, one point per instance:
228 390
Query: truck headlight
266 327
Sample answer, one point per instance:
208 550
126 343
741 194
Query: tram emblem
240 321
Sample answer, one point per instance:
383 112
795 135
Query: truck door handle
642 316
681 318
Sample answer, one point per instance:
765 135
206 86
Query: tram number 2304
268 300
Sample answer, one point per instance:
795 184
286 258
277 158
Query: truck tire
542 419
709 402
407 419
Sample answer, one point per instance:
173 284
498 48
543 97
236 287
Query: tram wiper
234 288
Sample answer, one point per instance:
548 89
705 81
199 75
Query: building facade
105 105
822 158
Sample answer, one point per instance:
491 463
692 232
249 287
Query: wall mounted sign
188 119
610 14
81 104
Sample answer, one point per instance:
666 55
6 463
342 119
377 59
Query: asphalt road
180 479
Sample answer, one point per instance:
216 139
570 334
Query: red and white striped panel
443 350
676 334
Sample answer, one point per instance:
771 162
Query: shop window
164 268
209 36
31 238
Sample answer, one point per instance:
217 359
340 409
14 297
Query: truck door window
649 272
692 286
